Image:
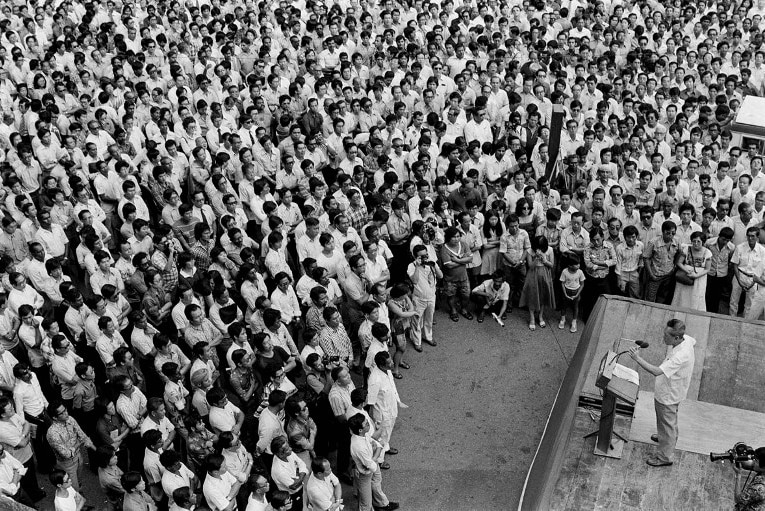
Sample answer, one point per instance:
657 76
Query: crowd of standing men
224 224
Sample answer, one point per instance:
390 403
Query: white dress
693 297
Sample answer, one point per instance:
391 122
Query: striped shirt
335 342
340 398
132 408
169 277
628 258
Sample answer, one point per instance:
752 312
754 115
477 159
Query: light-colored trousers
757 307
422 327
369 489
386 430
735 296
666 428
73 467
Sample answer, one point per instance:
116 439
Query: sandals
454 317
466 315
404 365
532 327
398 376
542 323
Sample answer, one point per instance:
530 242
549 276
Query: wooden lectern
617 382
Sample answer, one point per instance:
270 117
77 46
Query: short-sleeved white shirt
672 386
223 419
216 490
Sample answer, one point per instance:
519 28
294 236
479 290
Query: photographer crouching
749 490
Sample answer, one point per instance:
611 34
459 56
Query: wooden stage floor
566 475
592 482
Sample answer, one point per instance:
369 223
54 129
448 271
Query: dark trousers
45 456
515 277
481 302
135 448
718 290
401 260
593 288
343 444
23 498
87 421
29 480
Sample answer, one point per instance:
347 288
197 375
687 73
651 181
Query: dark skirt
538 289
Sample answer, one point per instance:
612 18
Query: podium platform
701 429
724 405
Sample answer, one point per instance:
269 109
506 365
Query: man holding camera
751 495
673 377
424 275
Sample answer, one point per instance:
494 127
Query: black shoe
418 349
390 507
432 343
655 438
392 451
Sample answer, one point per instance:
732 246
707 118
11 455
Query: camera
334 359
741 454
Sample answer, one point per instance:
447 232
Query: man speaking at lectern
673 377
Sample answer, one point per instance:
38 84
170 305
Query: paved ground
478 404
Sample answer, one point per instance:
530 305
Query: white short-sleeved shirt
152 467
216 490
321 492
164 427
172 481
283 472
495 295
672 385
223 419
572 281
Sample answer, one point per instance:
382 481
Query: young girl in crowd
572 281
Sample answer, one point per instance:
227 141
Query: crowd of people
225 223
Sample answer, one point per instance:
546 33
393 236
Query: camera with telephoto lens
741 454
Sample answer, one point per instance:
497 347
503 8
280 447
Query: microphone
608 364
640 344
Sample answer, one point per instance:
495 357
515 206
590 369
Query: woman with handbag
693 264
